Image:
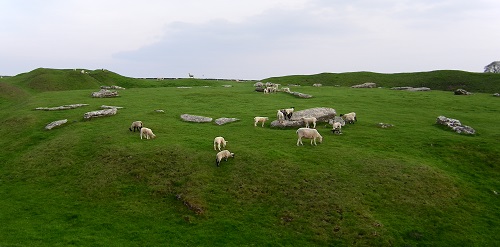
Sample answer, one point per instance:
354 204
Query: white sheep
308 134
349 117
136 125
280 116
266 90
309 120
224 154
260 119
286 89
147 133
337 128
218 141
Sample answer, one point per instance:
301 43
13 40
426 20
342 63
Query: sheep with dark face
136 125
337 128
224 154
288 112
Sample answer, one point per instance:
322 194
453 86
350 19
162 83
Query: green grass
95 183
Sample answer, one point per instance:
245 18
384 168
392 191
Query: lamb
308 134
218 141
349 117
136 125
224 154
337 128
280 116
147 133
309 120
260 119
286 89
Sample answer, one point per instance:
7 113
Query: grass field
95 183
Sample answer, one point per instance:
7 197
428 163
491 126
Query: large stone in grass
55 124
322 114
63 107
365 85
195 119
455 125
225 120
413 89
104 93
100 113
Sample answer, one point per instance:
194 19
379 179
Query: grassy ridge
96 183
448 80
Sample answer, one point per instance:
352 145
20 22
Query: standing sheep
147 133
308 134
136 125
260 119
280 116
309 120
218 141
224 154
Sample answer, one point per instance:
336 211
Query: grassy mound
96 183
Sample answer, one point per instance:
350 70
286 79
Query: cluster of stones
202 119
462 92
385 125
413 89
112 87
455 125
104 93
259 87
63 107
322 114
366 85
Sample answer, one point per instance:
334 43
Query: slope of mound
447 80
42 79
11 93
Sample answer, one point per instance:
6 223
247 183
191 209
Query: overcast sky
248 39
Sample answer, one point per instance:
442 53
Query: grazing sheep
147 133
308 134
218 141
260 119
337 128
349 117
136 125
280 116
309 120
224 154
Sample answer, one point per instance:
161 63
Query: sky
248 39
